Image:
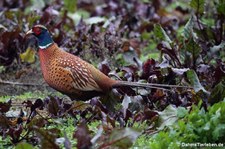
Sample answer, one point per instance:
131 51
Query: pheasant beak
29 32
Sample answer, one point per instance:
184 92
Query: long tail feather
147 85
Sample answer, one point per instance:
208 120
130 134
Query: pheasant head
43 36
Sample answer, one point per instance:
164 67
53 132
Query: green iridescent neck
44 40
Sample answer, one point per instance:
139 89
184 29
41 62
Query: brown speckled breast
52 72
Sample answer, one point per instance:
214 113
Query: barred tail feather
146 85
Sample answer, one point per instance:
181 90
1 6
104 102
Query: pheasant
70 74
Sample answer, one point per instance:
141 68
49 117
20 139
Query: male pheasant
71 75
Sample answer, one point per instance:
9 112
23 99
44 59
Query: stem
199 25
193 56
110 143
19 83
221 27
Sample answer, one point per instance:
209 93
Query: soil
24 75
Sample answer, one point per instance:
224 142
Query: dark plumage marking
79 73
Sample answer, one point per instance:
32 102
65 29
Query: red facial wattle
37 31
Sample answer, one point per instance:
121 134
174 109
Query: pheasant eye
37 31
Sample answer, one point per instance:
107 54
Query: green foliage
167 117
193 48
181 112
153 55
28 56
188 29
2 69
218 50
120 59
27 95
70 5
218 93
164 140
37 4
194 80
161 34
206 126
149 51
220 5
24 145
198 5
68 128
4 142
197 126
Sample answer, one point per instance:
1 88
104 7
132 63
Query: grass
30 95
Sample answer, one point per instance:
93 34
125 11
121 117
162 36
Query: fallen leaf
28 56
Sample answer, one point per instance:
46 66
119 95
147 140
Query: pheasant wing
81 75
